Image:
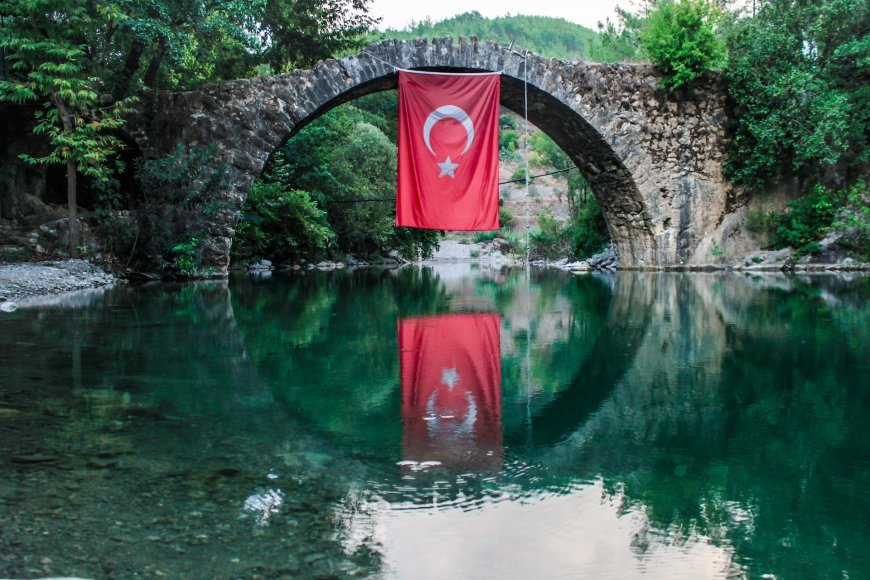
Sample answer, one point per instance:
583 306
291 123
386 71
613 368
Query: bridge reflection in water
672 425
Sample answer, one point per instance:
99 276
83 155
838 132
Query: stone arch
648 158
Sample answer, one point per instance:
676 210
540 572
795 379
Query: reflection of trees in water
741 421
720 406
344 375
154 413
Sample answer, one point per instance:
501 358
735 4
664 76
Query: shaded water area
441 423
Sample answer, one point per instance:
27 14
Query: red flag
451 389
448 151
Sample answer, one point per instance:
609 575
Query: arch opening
628 222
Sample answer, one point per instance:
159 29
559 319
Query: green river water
440 423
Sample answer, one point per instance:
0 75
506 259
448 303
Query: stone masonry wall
653 160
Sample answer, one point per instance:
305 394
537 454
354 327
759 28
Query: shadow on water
655 423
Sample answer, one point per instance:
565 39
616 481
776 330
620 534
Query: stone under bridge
654 161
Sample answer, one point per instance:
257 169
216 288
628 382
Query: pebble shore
44 278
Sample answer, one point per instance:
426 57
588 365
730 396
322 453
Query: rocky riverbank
25 280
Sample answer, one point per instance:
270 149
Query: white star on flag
447 168
450 377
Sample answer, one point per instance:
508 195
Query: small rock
312 558
30 458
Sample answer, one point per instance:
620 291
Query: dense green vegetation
330 191
798 75
83 59
681 40
543 35
797 72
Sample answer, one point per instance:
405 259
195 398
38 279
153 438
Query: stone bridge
654 161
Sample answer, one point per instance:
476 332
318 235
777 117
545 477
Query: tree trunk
72 210
154 66
132 62
72 214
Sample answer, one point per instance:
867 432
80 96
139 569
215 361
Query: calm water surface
447 423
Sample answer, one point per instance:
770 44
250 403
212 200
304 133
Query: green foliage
589 233
519 175
13 255
798 75
548 240
806 221
281 224
761 222
545 152
853 220
178 44
583 235
42 41
185 257
717 250
809 219
549 37
480 237
346 162
506 219
680 39
178 192
508 141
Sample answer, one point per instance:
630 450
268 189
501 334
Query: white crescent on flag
448 112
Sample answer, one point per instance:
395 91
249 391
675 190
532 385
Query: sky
398 13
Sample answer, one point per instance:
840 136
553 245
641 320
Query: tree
798 73
680 38
300 32
42 39
549 37
345 163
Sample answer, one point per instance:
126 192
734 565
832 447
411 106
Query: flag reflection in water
451 390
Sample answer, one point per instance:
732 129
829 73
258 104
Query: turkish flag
448 151
451 389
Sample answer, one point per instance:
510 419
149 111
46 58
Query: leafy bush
281 224
797 75
346 161
508 141
853 220
179 191
548 241
806 221
480 237
185 260
762 222
519 175
588 232
681 41
582 236
506 219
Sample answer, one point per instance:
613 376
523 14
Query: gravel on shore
37 279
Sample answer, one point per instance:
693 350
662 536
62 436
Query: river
448 422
